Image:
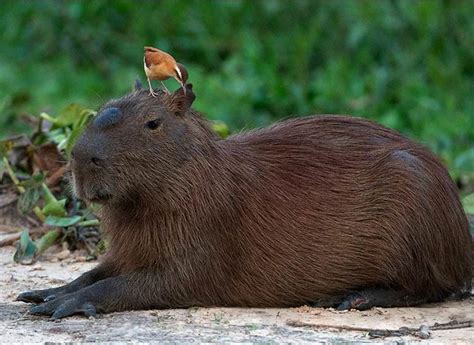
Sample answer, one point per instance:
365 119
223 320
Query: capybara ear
137 86
182 101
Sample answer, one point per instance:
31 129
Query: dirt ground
204 324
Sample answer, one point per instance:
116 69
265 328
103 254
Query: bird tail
151 49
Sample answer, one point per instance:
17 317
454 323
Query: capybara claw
30 297
50 298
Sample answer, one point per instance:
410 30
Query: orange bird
160 65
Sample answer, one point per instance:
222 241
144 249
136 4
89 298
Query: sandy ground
202 324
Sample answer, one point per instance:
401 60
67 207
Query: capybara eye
153 124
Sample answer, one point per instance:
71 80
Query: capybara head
128 144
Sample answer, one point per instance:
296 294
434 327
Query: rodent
322 210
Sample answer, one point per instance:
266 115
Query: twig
9 202
455 324
379 332
15 137
10 240
9 229
54 179
12 175
33 221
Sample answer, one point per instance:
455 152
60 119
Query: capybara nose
98 162
79 158
87 154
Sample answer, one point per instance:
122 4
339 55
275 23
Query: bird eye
153 124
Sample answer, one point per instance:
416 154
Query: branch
421 332
9 229
10 240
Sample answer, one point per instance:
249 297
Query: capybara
321 210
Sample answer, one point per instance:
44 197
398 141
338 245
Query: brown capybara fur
305 210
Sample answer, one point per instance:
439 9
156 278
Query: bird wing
152 49
155 56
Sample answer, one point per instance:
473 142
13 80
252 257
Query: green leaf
25 249
33 181
77 130
70 114
468 203
57 135
90 222
57 208
86 115
66 116
48 118
28 200
53 207
38 178
62 221
47 195
221 129
47 241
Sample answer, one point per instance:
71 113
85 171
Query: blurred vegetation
34 182
407 64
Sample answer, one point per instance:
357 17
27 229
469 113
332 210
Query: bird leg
152 93
165 88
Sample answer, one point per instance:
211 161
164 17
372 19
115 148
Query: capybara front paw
64 306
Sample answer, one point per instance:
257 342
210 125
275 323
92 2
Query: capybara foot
366 299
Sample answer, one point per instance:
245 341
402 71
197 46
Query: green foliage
468 203
407 64
67 126
53 207
221 129
30 162
27 250
46 241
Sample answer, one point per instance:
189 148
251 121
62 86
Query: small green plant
468 203
34 167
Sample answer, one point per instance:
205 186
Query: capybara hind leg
366 299
329 302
